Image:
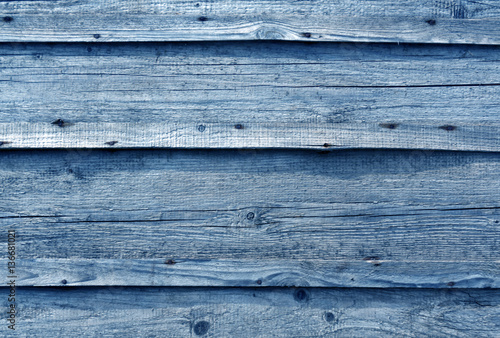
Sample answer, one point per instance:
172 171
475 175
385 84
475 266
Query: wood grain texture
249 82
443 21
370 271
235 312
160 95
251 135
354 218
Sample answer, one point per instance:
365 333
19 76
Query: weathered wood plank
369 271
465 21
249 82
252 135
341 94
234 312
385 214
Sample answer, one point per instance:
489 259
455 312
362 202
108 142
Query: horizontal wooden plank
465 21
358 218
253 135
249 82
370 271
193 95
234 312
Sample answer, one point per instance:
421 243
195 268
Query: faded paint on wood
388 213
277 312
466 21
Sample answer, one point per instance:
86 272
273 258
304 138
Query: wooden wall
251 168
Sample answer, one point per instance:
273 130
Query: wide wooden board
236 312
244 218
249 95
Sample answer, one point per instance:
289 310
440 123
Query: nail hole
301 295
170 262
326 145
389 125
431 22
329 317
111 143
97 36
202 18
201 328
238 126
448 128
306 35
58 122
451 283
259 281
64 281
201 128
250 216
8 18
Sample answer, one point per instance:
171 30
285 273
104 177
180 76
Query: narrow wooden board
235 312
369 271
346 218
249 95
251 135
424 21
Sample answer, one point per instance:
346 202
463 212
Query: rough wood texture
429 21
249 82
254 270
252 135
234 312
376 217
279 95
